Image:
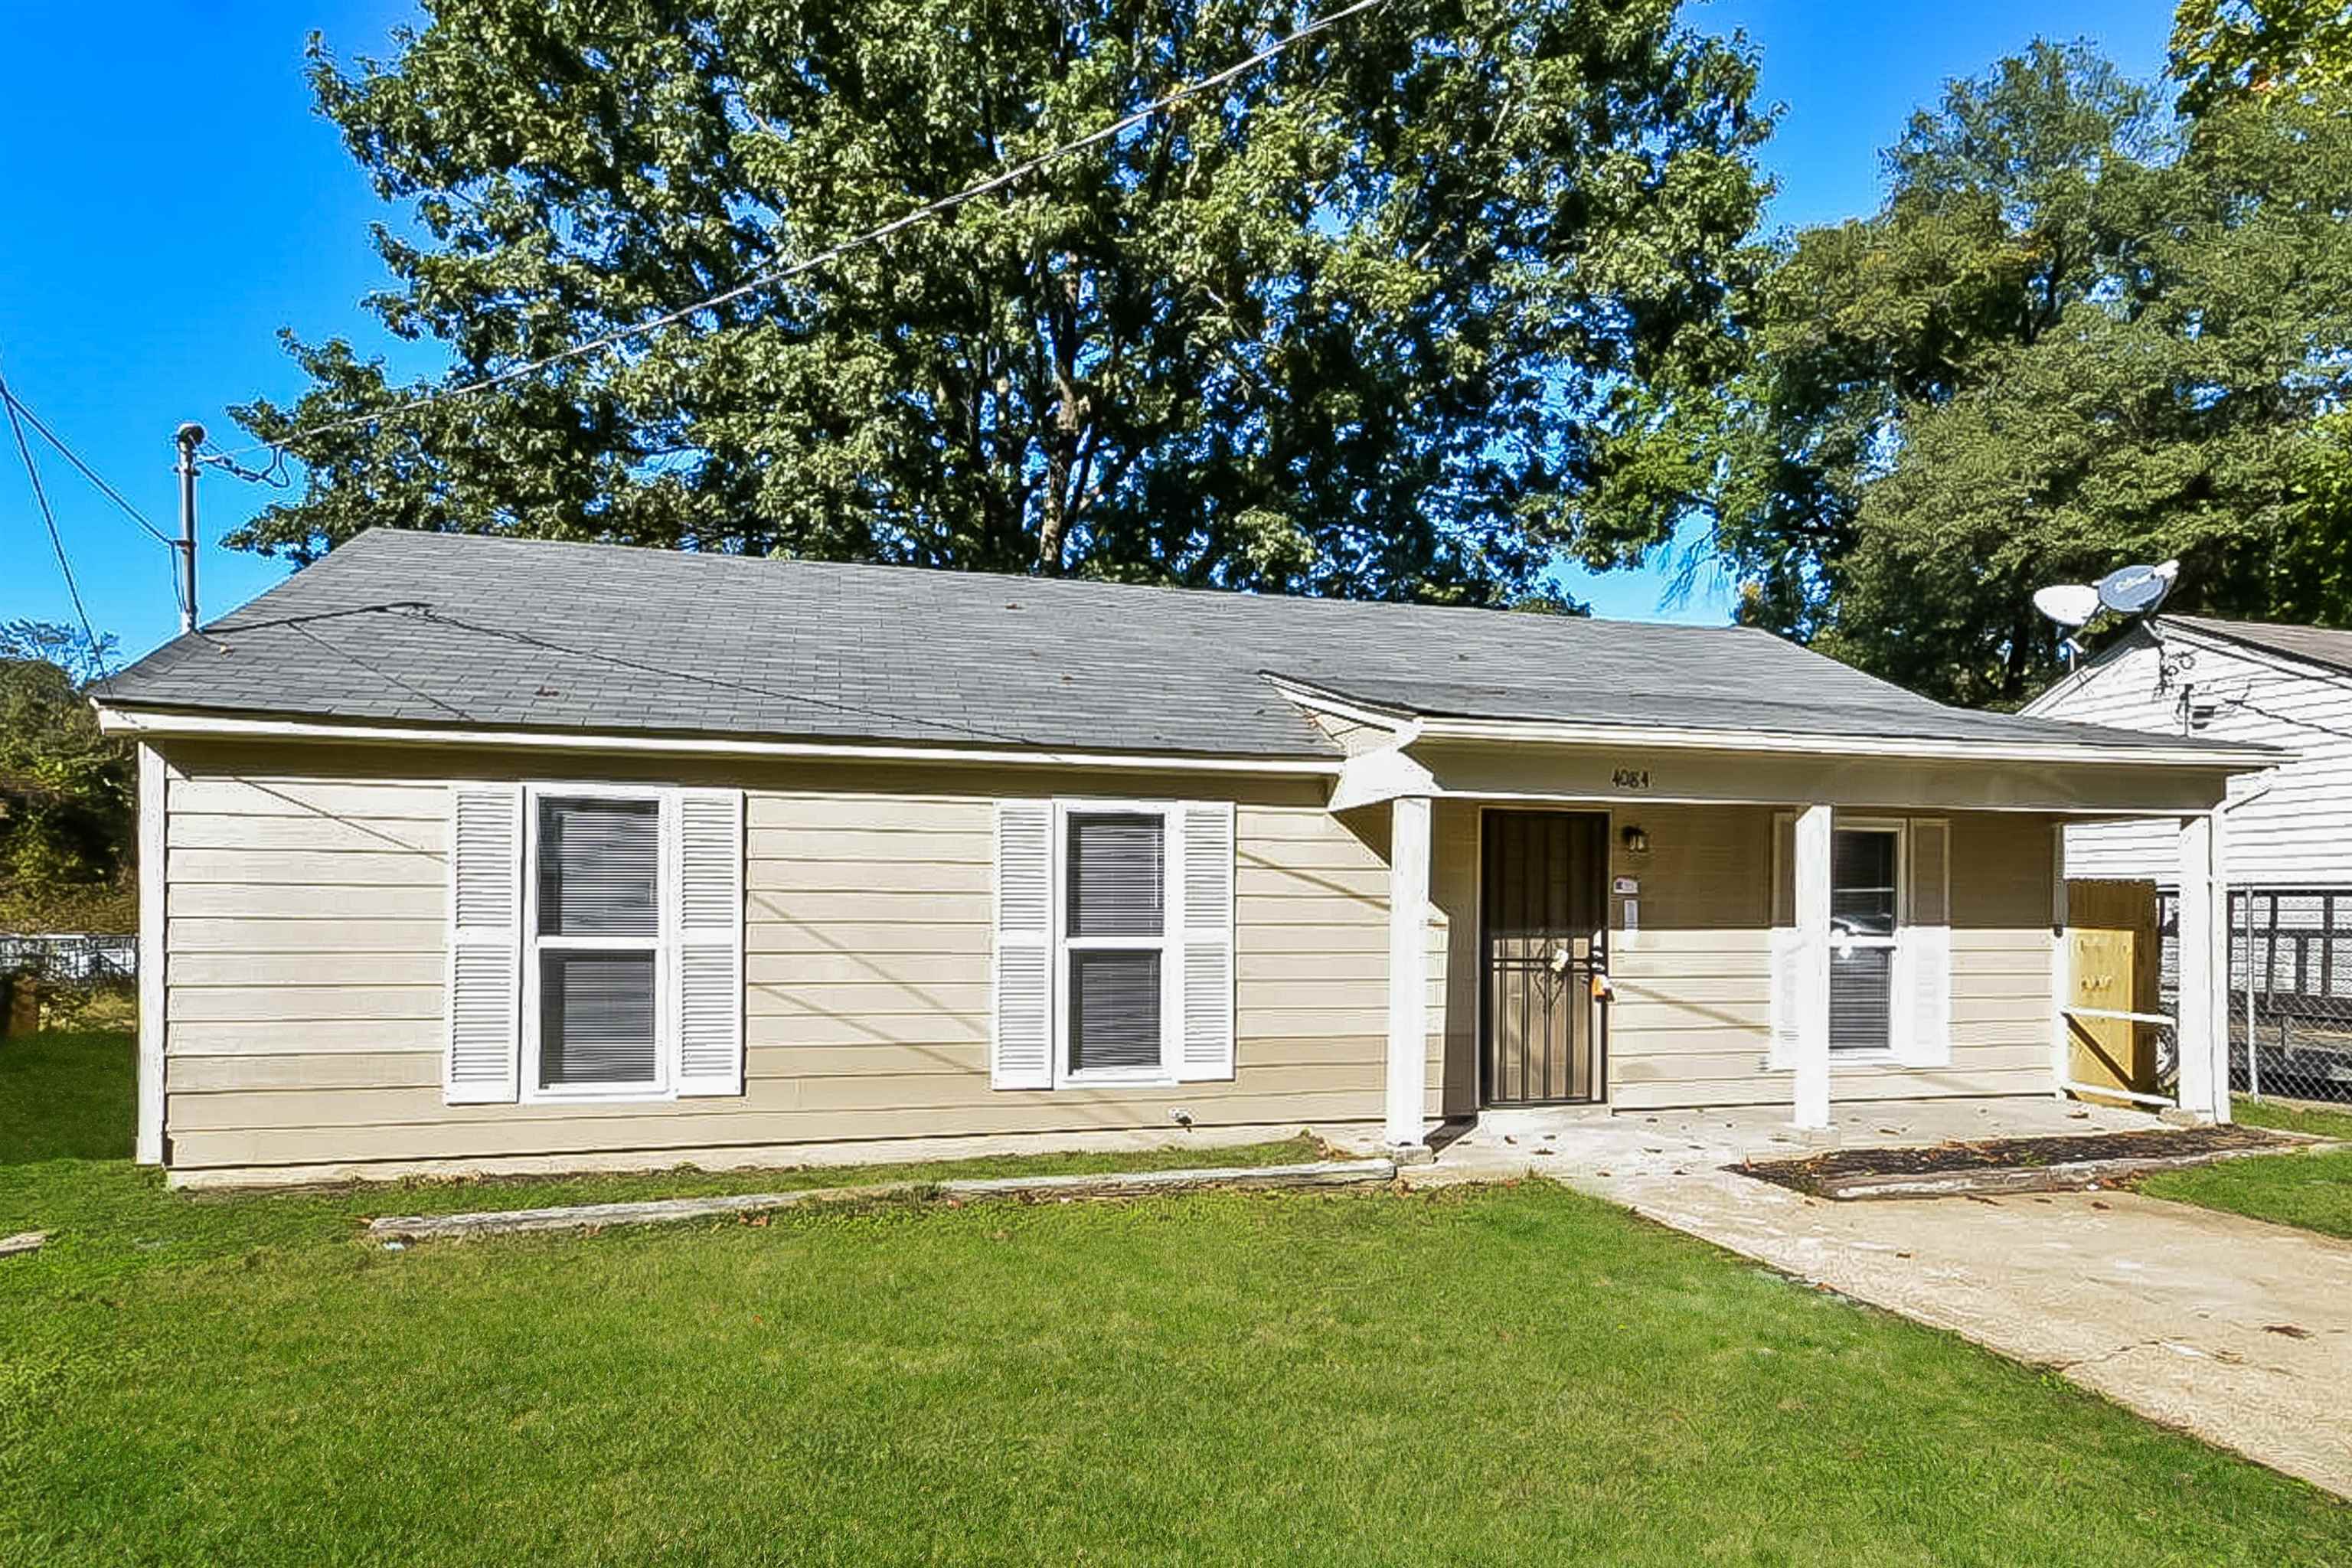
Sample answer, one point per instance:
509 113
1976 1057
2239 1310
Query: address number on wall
1630 778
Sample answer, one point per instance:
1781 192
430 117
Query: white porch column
2203 1001
1811 999
1408 1054
148 1143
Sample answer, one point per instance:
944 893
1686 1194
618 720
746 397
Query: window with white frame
1890 941
1115 943
1866 894
596 943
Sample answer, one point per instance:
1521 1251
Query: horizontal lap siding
2001 1000
307 952
1691 1020
2296 832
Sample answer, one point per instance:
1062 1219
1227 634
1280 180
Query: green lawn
2293 1116
2314 1191
1509 1374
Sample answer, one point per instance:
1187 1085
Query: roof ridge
464 539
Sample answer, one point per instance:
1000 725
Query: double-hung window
1115 962
1114 943
596 943
1866 894
1889 943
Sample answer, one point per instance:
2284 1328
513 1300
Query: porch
1803 928
1621 1155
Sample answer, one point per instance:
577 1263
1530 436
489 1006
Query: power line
528 639
2250 706
301 625
48 519
929 210
16 406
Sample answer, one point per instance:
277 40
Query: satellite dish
2133 590
2068 604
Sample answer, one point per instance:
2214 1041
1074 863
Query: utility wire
715 682
16 406
2250 706
48 519
922 214
302 625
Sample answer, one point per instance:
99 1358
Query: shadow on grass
67 1096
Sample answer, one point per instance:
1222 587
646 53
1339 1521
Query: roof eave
147 722
1813 743
1419 726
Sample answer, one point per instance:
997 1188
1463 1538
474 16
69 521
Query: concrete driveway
2234 1330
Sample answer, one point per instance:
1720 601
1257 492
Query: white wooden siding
2299 833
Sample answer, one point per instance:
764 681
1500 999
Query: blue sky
172 202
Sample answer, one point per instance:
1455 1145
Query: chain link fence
70 958
2290 990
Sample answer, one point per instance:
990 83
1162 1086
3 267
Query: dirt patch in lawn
2012 1164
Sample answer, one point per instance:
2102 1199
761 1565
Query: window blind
599 867
1862 998
1113 1009
1116 875
1864 866
596 1019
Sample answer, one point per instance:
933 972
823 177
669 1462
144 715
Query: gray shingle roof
2313 645
422 628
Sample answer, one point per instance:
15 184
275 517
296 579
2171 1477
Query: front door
1544 941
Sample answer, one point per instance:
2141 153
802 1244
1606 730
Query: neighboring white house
2288 687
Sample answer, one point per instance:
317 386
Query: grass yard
1497 1375
2293 1116
2314 1191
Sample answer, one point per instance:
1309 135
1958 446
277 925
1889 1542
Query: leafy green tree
64 788
1368 320
2075 335
2225 49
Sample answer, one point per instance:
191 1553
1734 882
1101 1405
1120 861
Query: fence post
2254 1049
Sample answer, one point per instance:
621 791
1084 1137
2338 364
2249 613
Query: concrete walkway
2234 1330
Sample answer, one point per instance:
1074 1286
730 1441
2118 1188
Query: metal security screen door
1544 943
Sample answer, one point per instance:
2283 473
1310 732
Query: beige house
463 854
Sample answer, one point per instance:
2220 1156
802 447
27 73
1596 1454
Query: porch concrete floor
2237 1331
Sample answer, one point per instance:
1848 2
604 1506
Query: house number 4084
1631 778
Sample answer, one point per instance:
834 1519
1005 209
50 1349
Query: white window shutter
1205 891
484 1016
1923 995
1788 947
707 992
1020 1049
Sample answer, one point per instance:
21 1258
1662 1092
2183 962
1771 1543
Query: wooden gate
2114 955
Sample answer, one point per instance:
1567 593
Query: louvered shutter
485 1019
1020 1049
1205 929
1923 997
1788 944
709 988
